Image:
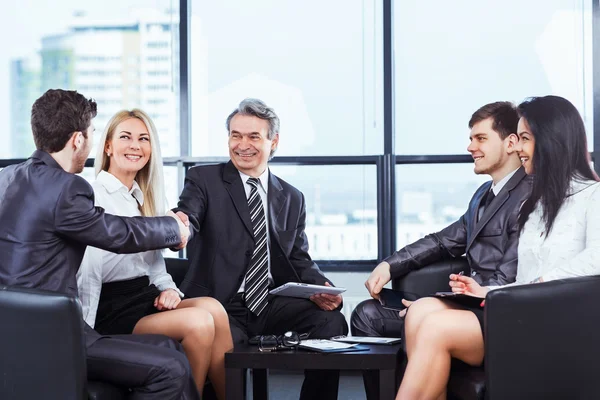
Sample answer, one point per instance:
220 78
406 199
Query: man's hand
466 285
327 302
184 230
407 303
167 300
183 217
378 279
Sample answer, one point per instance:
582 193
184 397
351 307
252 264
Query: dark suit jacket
490 244
222 244
48 218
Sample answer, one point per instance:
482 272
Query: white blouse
100 266
573 246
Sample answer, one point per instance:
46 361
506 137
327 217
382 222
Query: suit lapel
474 213
494 206
235 188
276 202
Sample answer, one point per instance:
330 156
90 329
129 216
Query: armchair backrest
42 350
177 268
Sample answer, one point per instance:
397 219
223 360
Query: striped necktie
257 275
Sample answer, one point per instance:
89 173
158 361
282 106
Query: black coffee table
383 358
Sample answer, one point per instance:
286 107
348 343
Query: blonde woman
133 293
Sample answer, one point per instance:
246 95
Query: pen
461 273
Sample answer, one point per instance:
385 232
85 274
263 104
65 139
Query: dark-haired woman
560 238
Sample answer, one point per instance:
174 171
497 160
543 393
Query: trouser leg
152 366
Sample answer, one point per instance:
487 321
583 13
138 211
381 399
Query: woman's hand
167 300
466 285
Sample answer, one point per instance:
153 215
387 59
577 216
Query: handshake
184 227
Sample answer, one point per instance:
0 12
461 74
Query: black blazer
490 244
48 218
222 244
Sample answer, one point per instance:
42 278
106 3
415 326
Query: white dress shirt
496 188
99 266
573 246
263 190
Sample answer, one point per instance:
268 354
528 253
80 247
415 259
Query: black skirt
122 304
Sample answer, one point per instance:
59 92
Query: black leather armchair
30 368
540 340
42 349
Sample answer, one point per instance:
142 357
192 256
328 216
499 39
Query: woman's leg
193 327
222 342
442 335
417 312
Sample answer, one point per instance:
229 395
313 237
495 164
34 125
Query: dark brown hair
504 115
560 154
57 115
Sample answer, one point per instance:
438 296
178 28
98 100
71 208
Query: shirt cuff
179 292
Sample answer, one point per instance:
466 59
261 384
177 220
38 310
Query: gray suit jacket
48 218
490 244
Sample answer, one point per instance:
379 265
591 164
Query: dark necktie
485 202
257 275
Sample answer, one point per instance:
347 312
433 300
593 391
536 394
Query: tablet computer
304 290
460 298
392 299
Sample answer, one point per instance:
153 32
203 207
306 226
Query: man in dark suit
47 218
487 233
248 237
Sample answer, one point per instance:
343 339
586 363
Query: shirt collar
112 184
498 186
264 179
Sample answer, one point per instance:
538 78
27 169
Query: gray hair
257 108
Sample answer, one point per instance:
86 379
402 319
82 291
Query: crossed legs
435 333
202 327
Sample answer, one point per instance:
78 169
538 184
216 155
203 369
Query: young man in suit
48 218
487 233
248 237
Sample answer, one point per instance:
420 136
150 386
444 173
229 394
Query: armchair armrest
541 341
432 278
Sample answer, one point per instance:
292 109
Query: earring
108 154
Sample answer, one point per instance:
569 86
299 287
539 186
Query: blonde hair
150 178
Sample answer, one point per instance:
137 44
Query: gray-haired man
248 237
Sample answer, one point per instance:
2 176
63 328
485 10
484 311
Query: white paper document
324 344
367 340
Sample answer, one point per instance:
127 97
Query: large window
454 56
341 209
318 63
430 197
119 53
374 96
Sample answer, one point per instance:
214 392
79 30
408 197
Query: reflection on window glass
119 53
341 209
317 63
457 61
431 197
